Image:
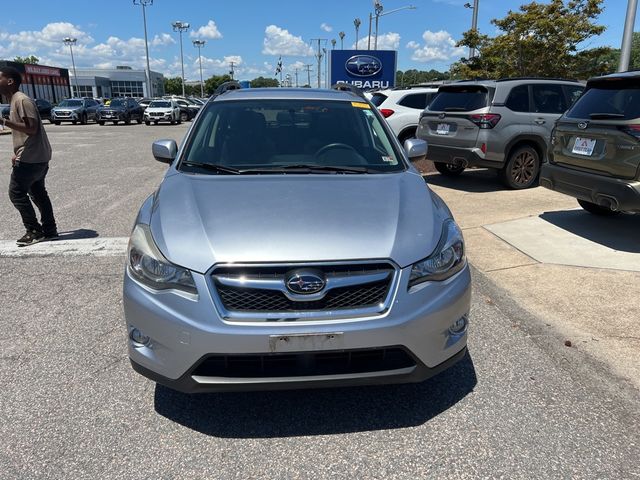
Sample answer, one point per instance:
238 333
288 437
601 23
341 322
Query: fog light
138 337
459 327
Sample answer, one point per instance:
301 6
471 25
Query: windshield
296 134
70 103
159 104
118 103
462 99
619 103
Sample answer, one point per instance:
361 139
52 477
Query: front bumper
167 117
615 193
466 157
71 117
185 331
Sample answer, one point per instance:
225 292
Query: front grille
156 114
247 299
304 363
368 288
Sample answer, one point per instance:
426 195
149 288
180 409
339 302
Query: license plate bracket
584 146
302 342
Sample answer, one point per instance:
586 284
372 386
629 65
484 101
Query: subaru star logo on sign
305 281
364 68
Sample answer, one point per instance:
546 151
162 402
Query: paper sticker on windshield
388 159
360 105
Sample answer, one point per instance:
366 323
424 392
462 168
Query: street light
627 36
71 42
199 44
181 27
357 23
378 8
341 35
474 22
146 3
333 44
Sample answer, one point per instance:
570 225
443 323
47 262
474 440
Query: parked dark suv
120 110
500 124
596 147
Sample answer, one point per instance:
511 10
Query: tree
542 39
413 77
31 59
264 82
214 82
173 86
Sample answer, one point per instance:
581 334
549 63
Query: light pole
146 3
378 11
357 23
181 27
71 42
341 35
199 44
333 44
627 36
474 22
326 67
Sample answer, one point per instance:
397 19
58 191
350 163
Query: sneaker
30 238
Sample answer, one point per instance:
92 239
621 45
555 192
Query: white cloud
210 30
162 40
278 41
387 41
413 45
34 42
438 46
326 28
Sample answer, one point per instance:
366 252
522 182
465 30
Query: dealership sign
364 68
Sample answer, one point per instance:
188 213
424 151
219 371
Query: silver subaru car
292 244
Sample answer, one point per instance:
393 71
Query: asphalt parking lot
521 404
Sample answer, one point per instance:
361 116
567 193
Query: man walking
32 153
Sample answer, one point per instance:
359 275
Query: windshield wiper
603 116
323 168
214 167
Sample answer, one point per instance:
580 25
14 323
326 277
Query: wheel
179 121
51 121
56 122
448 169
115 122
173 122
155 122
522 168
139 120
147 123
184 117
597 209
83 119
127 121
74 122
100 122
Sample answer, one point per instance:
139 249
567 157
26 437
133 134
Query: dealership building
117 82
41 81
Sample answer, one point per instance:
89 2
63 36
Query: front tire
100 122
184 117
448 169
597 209
56 122
115 122
147 123
522 168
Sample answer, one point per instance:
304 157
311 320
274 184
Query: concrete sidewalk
578 272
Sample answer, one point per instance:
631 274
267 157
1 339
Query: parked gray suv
501 124
292 244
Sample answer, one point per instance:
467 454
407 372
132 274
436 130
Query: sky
250 33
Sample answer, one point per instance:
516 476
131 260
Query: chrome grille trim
271 283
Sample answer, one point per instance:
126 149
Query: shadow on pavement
317 412
474 181
619 232
78 234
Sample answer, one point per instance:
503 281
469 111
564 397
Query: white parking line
85 247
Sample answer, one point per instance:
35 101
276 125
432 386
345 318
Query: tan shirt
28 148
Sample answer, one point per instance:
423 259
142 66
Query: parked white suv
402 107
161 110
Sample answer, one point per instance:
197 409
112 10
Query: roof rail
537 78
226 86
347 87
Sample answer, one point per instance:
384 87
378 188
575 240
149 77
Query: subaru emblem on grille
583 125
441 116
305 282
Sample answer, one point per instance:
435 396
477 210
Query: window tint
573 93
518 99
624 102
378 98
414 100
460 99
548 99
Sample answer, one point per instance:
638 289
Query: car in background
44 109
162 110
120 110
595 154
402 107
144 102
75 110
500 124
292 244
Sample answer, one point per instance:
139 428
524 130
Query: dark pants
27 179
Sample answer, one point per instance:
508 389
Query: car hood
67 109
160 109
198 221
114 109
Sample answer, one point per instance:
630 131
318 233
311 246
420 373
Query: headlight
149 267
446 261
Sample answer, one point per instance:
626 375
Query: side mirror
165 151
416 149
